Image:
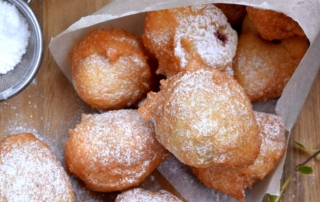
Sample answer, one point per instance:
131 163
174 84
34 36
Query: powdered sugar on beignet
110 69
29 171
113 150
204 118
203 32
142 195
263 68
178 35
234 181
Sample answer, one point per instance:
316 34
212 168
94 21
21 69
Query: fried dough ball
229 71
110 69
233 181
204 118
204 33
273 25
263 68
142 195
158 39
234 13
29 171
113 151
248 26
176 36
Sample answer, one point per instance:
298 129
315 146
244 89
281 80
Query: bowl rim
27 12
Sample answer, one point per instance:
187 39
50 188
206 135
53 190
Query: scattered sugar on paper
14 37
180 176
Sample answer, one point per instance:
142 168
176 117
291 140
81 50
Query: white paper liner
129 14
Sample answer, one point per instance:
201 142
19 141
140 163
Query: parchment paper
129 14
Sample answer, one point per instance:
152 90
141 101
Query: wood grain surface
49 106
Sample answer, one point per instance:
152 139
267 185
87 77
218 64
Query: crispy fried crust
273 25
110 69
234 13
142 195
233 181
248 26
158 37
113 151
204 118
263 68
30 171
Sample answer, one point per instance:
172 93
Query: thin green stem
284 186
308 159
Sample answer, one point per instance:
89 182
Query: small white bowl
21 76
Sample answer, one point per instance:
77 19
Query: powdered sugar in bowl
24 47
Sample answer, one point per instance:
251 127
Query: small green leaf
300 145
272 198
305 169
308 150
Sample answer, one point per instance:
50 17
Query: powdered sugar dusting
272 132
258 69
30 172
209 36
52 136
234 181
229 71
203 117
163 37
14 36
106 144
203 93
119 138
180 176
110 69
111 79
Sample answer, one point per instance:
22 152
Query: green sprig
308 150
302 168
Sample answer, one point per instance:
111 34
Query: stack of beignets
202 111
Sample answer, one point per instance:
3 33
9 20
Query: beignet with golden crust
113 151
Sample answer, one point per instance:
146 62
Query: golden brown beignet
234 13
110 69
176 36
29 171
204 118
114 150
233 181
263 68
273 25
